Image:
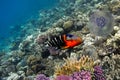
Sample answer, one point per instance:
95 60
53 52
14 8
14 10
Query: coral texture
72 65
98 73
82 75
41 77
114 6
62 77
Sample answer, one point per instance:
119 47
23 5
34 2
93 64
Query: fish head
71 37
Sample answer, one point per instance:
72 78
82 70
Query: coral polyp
73 65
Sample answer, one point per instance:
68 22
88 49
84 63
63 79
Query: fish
64 41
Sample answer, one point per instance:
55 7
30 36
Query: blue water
13 12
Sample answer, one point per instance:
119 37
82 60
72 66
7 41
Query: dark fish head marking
71 37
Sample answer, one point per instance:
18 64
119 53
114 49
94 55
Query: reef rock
68 25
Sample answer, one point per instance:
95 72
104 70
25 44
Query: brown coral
72 64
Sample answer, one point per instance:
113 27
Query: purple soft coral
82 75
98 72
41 77
62 77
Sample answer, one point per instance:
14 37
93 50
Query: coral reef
72 64
34 63
68 25
13 76
98 72
82 75
111 67
62 77
29 55
41 39
114 6
41 77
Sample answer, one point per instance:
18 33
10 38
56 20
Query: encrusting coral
73 65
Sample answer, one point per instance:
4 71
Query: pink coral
62 77
41 77
98 72
82 75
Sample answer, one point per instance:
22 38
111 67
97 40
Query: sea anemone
41 77
73 65
82 75
98 73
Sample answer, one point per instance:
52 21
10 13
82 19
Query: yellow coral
72 65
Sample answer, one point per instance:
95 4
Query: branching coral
73 65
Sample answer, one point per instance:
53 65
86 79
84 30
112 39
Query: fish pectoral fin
65 47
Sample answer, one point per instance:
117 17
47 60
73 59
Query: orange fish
64 41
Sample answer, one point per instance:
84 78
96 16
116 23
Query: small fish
64 41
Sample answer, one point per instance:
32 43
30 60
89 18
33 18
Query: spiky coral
73 65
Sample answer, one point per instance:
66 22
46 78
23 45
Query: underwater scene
60 40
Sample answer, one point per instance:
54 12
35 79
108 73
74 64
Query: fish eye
69 35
